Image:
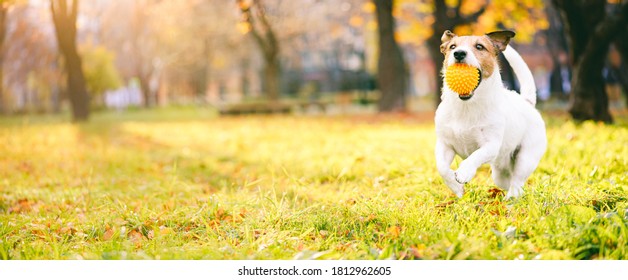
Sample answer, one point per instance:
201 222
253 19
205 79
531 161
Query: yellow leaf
394 231
108 234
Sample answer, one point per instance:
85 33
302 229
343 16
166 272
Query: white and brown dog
492 124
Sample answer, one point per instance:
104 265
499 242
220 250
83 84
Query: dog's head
478 51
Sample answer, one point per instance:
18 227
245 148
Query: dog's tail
523 73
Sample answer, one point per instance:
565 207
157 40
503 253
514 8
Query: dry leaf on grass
445 204
22 205
394 231
109 232
495 192
136 237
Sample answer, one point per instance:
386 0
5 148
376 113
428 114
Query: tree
621 71
100 72
392 75
590 32
64 16
141 49
31 73
255 16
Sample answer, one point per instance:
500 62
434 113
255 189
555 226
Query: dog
492 124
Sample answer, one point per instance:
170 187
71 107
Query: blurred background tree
256 22
392 75
591 28
64 15
4 9
100 72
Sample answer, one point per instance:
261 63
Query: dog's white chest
464 139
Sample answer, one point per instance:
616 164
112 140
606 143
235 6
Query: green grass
184 184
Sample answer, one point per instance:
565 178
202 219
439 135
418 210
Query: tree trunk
245 84
146 93
266 40
64 18
621 72
589 100
271 77
76 85
392 75
590 31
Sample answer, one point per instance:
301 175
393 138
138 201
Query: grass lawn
189 185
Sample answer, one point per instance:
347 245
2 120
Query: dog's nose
460 55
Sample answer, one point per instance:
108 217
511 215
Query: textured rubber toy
462 78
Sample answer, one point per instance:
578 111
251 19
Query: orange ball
462 78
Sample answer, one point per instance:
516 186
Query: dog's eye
452 47
479 47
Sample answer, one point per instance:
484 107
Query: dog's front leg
469 166
444 156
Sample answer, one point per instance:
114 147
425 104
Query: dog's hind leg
501 176
525 162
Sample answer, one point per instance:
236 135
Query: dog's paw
464 175
514 192
455 187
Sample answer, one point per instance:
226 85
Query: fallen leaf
136 237
370 218
67 230
243 212
394 231
414 251
22 205
108 233
258 232
445 204
495 192
494 208
39 230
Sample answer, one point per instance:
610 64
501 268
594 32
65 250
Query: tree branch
267 41
460 3
271 39
611 27
472 17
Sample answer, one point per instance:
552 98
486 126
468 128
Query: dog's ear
447 36
501 38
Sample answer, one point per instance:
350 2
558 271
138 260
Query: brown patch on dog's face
486 54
